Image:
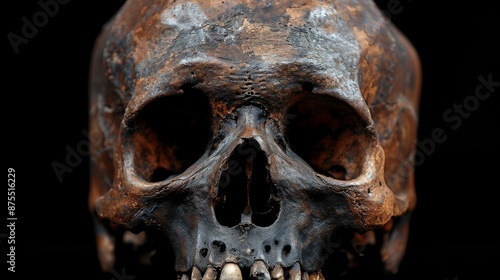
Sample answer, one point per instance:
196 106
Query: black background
44 102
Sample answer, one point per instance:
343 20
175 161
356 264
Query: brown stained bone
254 132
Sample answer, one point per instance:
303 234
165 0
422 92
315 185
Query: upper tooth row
258 271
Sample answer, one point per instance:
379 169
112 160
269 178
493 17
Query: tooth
277 273
230 271
316 276
195 274
210 274
305 276
295 272
184 277
259 271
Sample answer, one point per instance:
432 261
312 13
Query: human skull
258 139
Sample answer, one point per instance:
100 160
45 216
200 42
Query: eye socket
170 134
327 134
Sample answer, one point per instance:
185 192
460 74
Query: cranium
257 139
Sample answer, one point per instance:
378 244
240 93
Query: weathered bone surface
259 139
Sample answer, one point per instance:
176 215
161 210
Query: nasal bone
251 120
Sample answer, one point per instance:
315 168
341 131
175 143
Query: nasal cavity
245 191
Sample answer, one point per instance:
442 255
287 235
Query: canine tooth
210 274
259 271
295 272
277 273
184 277
195 274
305 276
231 271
